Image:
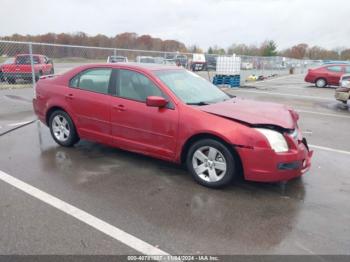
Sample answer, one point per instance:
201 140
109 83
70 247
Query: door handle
119 108
69 96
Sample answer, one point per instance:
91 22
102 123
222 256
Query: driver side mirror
156 101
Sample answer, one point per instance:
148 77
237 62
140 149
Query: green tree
269 48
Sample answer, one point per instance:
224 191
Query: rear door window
95 80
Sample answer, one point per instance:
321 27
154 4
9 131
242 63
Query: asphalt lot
158 203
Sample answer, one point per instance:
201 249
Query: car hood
254 112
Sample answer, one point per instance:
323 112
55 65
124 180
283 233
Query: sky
201 22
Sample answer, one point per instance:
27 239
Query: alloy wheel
321 83
209 164
60 128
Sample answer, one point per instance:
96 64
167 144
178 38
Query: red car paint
325 72
163 132
242 110
22 69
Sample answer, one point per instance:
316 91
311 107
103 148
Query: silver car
343 92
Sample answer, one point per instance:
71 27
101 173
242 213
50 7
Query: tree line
129 40
299 51
125 40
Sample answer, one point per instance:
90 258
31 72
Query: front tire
62 129
321 82
211 163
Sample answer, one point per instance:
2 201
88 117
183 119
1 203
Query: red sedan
173 114
327 75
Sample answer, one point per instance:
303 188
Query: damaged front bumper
265 165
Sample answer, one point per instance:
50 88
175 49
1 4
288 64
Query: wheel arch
53 109
321 77
186 146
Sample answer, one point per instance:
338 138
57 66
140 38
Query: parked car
7 62
327 75
246 66
145 59
343 92
116 59
22 69
198 62
159 60
169 62
211 61
181 60
173 114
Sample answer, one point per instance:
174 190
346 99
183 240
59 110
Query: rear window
334 68
25 60
95 80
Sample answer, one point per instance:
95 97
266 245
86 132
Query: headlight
345 83
276 140
294 134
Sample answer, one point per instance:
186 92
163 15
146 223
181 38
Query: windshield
191 88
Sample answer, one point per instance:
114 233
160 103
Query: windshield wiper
201 103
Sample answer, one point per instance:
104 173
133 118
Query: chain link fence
23 63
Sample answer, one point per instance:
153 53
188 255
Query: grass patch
5 85
3 59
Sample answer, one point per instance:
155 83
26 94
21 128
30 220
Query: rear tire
321 82
11 81
62 129
211 163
